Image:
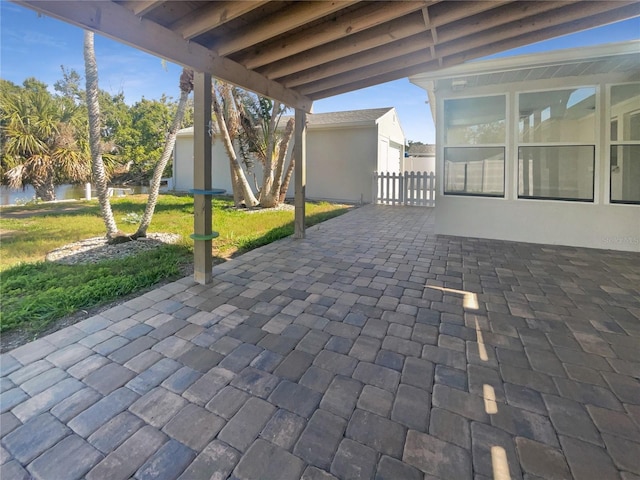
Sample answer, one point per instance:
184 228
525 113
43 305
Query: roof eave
505 64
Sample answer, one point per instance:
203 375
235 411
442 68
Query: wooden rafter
530 25
141 7
399 48
212 16
609 16
292 17
354 44
333 29
389 66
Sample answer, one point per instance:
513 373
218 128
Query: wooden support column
300 171
202 178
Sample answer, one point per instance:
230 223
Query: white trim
530 61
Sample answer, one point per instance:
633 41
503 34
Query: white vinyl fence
408 188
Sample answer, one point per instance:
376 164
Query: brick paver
355 353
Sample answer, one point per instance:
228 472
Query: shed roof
300 51
351 118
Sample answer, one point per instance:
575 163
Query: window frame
503 146
563 199
595 145
610 143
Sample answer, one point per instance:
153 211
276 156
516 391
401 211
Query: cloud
32 37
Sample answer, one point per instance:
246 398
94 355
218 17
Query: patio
370 349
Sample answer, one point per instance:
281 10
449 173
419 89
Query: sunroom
542 148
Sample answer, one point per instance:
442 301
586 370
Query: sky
37 46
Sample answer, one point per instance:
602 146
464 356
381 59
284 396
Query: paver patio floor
372 349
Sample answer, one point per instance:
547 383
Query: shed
343 151
541 148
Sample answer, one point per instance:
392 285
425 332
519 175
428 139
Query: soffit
616 58
300 51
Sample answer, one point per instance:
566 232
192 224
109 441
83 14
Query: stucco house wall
343 151
597 222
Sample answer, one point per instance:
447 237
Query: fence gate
408 188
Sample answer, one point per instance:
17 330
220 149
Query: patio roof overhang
298 52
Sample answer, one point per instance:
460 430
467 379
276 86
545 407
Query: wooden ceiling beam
630 10
412 44
446 12
348 24
213 15
612 15
116 22
400 28
497 17
141 7
375 80
354 76
292 17
566 15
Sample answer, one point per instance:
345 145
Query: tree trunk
186 85
237 174
267 199
287 179
271 197
45 189
97 165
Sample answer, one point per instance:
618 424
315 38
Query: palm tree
260 124
227 116
186 86
95 143
42 146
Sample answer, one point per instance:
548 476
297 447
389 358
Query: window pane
561 173
475 121
474 171
625 174
558 116
625 111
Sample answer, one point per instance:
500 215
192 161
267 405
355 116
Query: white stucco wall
183 164
340 164
613 227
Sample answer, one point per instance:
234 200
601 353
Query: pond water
63 192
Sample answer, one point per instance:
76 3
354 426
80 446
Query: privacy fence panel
408 188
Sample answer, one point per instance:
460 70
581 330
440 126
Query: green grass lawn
36 293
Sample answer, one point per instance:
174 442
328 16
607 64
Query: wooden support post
202 178
300 154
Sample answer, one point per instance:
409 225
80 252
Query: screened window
624 148
556 172
475 133
475 121
566 116
474 170
556 152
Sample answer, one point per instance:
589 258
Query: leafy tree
260 122
42 143
69 86
254 122
228 117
